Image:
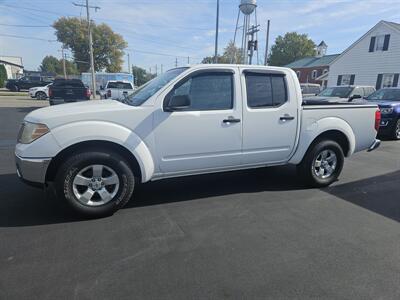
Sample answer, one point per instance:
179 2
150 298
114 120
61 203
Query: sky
159 31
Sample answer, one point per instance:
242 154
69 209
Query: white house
13 65
374 59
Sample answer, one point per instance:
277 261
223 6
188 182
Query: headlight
386 111
31 131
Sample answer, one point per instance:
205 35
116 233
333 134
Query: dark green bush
3 75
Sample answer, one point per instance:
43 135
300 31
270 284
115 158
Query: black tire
41 96
15 88
396 131
76 163
308 170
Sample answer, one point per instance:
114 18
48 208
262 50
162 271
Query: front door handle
286 117
231 120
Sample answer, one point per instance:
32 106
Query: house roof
394 25
10 63
322 44
308 62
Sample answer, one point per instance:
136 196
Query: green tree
3 75
232 54
108 46
141 76
53 65
292 46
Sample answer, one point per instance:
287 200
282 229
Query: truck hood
385 103
99 110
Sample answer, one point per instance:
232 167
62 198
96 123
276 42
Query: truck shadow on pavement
21 205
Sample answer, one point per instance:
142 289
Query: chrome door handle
231 120
286 117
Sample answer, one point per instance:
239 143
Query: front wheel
41 96
95 183
322 163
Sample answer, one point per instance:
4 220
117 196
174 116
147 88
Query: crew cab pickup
187 121
117 90
67 90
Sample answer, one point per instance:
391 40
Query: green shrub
3 75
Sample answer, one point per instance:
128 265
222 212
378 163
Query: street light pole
216 34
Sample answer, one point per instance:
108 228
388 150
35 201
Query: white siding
367 65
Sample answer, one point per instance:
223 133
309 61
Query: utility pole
176 62
129 64
267 45
161 68
156 70
63 59
188 60
90 44
216 34
252 43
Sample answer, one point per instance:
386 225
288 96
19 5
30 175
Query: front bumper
32 170
374 145
387 126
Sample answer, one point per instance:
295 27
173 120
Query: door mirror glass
178 102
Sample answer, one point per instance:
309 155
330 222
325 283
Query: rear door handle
231 120
286 117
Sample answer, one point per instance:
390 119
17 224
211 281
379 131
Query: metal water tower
247 8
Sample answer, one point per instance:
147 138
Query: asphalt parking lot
255 234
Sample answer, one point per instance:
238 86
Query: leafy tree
3 75
108 46
292 46
141 76
53 65
232 54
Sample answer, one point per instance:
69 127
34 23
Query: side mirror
354 97
102 88
177 103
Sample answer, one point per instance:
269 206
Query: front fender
73 133
314 128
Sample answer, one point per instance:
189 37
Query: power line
27 37
19 25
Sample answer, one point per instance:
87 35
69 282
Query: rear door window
265 90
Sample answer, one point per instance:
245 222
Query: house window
325 71
380 40
379 43
298 74
387 80
346 79
314 74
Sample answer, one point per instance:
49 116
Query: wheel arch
133 161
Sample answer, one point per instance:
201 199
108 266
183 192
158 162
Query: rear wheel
41 96
396 131
95 183
322 163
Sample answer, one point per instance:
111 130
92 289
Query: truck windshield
385 94
147 90
341 92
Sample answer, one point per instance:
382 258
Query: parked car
310 89
68 90
188 121
337 94
388 100
116 90
27 82
40 92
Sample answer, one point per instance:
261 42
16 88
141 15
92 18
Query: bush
3 75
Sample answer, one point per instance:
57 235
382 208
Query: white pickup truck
117 90
187 121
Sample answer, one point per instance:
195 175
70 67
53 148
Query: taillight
109 94
377 119
50 92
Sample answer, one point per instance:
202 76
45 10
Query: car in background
27 82
40 92
68 90
340 94
388 100
116 90
310 89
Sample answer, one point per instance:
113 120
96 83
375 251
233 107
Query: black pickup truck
27 82
68 90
